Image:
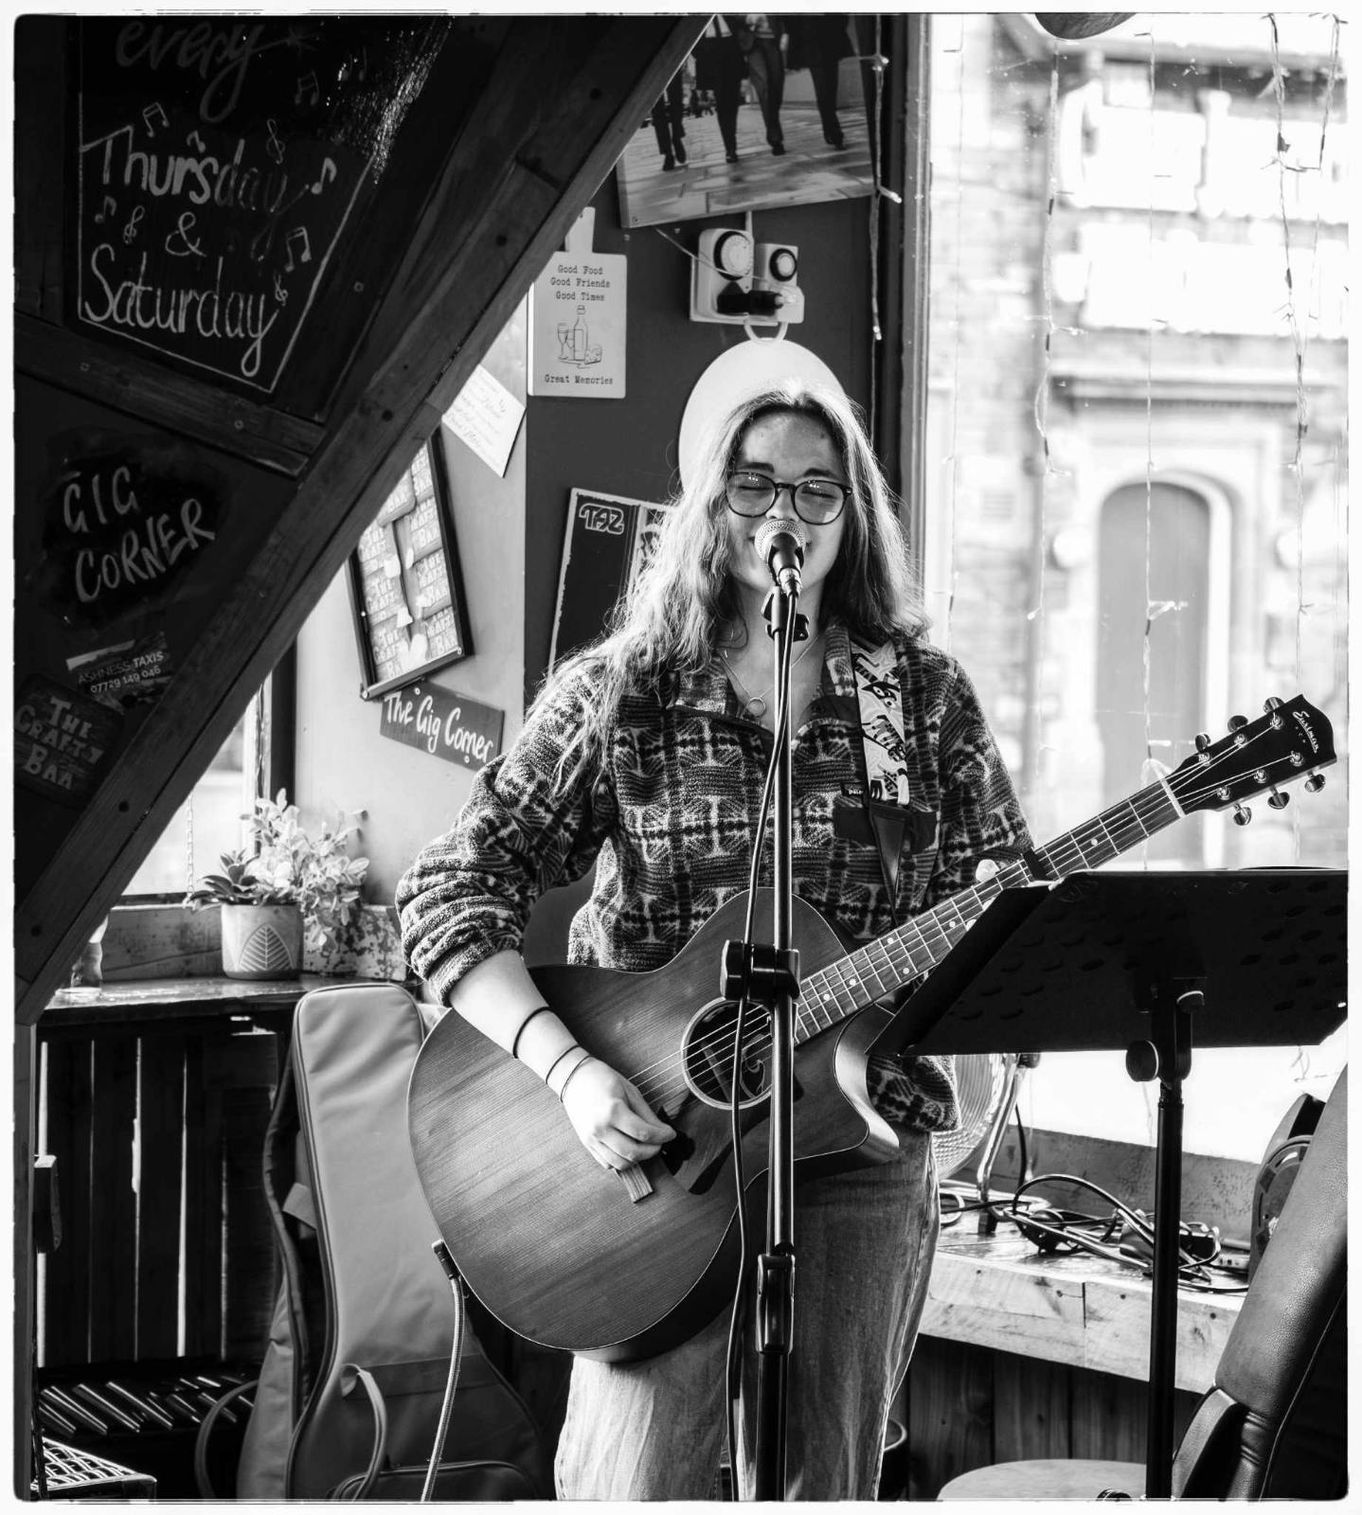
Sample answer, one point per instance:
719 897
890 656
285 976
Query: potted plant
283 894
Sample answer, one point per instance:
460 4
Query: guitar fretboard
891 962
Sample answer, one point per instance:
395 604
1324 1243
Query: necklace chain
754 704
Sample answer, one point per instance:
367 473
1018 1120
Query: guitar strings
1127 827
925 930
1188 787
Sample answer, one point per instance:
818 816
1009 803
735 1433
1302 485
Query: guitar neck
890 963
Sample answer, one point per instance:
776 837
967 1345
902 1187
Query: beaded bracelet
572 1071
548 1073
515 1045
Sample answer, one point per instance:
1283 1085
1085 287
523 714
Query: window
1138 337
255 759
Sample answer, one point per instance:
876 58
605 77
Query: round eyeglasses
817 501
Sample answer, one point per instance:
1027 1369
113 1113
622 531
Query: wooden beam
150 392
563 103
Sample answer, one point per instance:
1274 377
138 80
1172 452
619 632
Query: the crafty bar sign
60 738
449 726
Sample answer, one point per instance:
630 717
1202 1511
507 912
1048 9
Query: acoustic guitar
616 1266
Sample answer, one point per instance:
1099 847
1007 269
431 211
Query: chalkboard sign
61 739
220 160
405 588
126 518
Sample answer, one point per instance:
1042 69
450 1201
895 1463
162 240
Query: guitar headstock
1292 740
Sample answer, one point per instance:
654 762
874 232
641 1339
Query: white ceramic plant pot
262 941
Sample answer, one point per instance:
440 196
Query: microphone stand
771 976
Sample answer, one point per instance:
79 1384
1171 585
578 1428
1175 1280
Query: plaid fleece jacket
668 820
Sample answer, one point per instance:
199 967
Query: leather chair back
1275 1424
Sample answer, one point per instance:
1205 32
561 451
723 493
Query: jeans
654 1429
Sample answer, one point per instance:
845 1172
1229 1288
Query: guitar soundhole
708 1054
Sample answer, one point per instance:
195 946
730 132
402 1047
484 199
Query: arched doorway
1177 538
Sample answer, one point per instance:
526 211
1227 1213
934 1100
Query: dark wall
628 446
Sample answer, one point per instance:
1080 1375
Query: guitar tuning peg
1201 741
1314 783
1271 702
1237 722
1242 815
1277 800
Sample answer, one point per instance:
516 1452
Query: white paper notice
578 323
487 416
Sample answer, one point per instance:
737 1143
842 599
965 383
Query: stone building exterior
1137 422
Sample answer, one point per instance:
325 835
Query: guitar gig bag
349 1398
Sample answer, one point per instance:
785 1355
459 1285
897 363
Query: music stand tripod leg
1167 1055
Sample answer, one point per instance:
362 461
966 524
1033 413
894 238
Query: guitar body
553 1244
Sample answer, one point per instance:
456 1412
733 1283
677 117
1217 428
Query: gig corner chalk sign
220 159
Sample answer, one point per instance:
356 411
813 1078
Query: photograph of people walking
767 110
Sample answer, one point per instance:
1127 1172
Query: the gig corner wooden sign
447 725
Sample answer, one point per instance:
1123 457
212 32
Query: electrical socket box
721 276
775 271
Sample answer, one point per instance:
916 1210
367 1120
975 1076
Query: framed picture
405 588
767 110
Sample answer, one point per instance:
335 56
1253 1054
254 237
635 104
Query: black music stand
1143 961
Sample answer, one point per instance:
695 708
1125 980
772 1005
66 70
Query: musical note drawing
280 293
274 147
152 111
305 256
195 141
107 213
134 221
308 84
262 243
327 174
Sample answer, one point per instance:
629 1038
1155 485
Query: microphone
781 541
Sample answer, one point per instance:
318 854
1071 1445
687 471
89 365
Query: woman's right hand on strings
611 1118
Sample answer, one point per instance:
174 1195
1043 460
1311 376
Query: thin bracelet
520 1030
559 1059
563 1088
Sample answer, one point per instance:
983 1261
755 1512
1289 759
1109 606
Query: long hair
671 615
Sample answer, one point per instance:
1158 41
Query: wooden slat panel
1107 1418
177 401
204 1201
113 1204
555 147
949 1399
68 1104
1030 1408
244 1074
161 1104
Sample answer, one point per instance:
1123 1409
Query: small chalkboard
405 587
220 161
